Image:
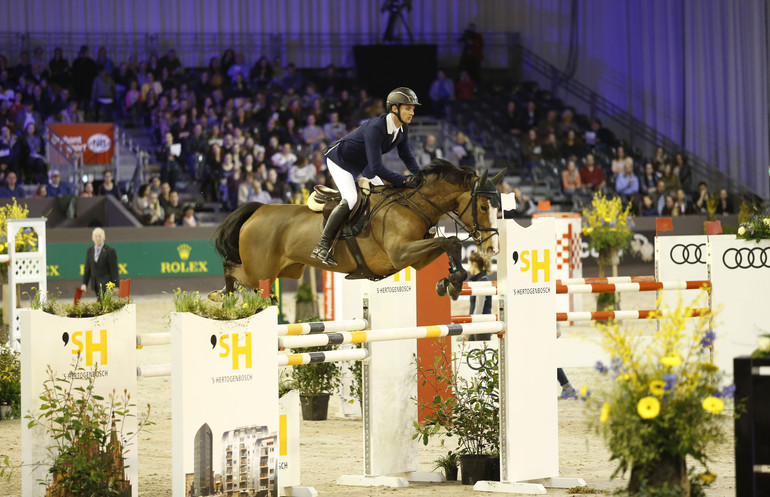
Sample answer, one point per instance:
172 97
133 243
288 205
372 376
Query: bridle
481 188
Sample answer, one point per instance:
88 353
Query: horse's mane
461 176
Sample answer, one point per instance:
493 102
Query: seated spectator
88 190
41 191
173 206
463 150
108 186
302 175
570 179
648 207
257 194
155 184
30 156
649 179
626 182
465 87
670 179
441 92
683 171
188 217
592 176
283 160
55 187
279 191
682 203
572 147
168 155
701 200
153 214
312 134
334 129
164 194
28 115
661 158
669 208
724 203
619 162
141 201
551 149
71 114
598 137
531 151
659 197
170 220
512 119
430 151
11 188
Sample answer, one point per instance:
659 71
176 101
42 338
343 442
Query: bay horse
267 241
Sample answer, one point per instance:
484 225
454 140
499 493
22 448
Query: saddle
324 200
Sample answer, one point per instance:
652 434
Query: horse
267 241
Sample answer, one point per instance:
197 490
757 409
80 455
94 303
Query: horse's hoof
454 292
441 287
216 296
458 276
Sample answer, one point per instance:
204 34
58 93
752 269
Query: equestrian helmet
402 96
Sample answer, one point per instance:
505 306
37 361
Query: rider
360 153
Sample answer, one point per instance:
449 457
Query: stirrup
324 255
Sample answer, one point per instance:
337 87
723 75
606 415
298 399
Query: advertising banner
95 140
139 259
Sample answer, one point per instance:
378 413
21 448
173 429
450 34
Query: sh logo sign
234 345
531 261
83 341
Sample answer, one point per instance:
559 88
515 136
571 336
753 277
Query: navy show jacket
360 152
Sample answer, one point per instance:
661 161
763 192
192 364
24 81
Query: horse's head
482 203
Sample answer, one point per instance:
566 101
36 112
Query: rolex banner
135 259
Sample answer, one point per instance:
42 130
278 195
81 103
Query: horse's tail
227 234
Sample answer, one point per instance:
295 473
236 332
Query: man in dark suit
360 153
101 265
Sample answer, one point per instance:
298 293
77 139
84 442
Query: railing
142 158
63 156
638 131
303 49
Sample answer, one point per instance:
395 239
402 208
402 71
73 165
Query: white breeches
346 183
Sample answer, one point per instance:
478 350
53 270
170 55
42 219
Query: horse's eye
484 208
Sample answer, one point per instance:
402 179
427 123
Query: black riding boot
336 219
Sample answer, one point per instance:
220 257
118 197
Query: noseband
488 190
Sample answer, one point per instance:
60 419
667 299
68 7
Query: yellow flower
583 390
648 408
624 377
709 366
671 361
245 305
605 415
658 388
714 405
708 477
110 285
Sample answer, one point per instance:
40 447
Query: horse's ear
483 178
497 178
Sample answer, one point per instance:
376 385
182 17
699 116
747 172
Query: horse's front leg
420 253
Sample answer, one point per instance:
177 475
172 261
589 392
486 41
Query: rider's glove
412 181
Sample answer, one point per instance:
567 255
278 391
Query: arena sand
334 447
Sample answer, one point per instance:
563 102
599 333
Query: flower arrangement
659 401
756 228
608 223
105 303
241 304
26 241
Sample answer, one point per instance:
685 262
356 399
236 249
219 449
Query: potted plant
658 402
608 225
449 464
315 383
605 301
471 414
88 435
10 383
306 303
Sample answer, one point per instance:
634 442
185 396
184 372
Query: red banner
95 140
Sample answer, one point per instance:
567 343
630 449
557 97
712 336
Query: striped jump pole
616 279
152 339
650 286
384 335
325 356
607 315
473 318
322 327
478 284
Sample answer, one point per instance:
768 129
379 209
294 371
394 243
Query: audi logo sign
99 143
690 253
745 258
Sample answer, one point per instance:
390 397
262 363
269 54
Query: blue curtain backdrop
694 69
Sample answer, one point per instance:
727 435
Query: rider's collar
392 128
